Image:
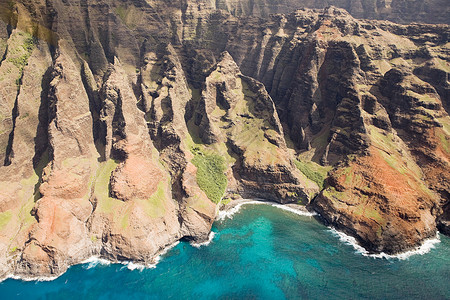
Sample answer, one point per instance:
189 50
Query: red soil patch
137 177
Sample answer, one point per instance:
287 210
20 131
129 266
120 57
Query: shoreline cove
426 246
227 212
230 209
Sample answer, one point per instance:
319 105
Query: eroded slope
123 126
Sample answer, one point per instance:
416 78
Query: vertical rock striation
124 126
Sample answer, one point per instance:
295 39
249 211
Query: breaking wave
293 210
205 243
426 247
137 266
94 261
228 214
39 279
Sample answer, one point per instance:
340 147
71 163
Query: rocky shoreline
358 244
122 125
227 211
152 262
234 206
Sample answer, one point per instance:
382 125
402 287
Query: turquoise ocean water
263 252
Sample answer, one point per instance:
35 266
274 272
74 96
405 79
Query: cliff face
400 11
124 124
360 96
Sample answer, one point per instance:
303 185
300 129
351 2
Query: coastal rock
62 211
125 126
235 112
380 199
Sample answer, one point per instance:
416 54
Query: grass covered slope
236 126
211 176
148 126
313 171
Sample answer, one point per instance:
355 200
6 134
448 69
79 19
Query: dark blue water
262 253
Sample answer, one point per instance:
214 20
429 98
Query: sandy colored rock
115 116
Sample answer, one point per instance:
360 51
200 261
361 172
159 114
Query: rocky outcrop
103 191
124 126
236 113
59 236
334 83
430 11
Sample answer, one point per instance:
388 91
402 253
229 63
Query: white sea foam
93 261
137 266
205 243
162 253
130 265
38 279
224 214
165 250
228 214
293 210
426 247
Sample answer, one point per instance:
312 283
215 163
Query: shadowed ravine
126 125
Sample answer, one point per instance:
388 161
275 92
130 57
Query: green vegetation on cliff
102 186
313 171
210 174
25 51
4 218
154 206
